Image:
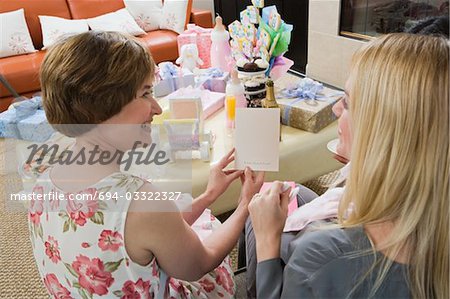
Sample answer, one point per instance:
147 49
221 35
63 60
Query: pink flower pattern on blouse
224 279
36 206
207 285
79 250
52 249
110 240
81 210
92 275
136 290
56 290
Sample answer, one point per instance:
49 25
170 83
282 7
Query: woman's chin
340 151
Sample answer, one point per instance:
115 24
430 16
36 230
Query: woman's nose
338 108
156 109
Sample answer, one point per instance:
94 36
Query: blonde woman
395 241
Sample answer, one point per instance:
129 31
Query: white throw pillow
120 21
15 39
54 28
174 15
146 13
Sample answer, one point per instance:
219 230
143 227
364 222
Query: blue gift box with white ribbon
26 120
213 79
171 78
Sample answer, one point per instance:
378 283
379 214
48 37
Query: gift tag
245 17
274 20
247 48
235 45
265 38
235 29
250 33
253 14
258 3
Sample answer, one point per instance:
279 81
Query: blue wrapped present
35 127
26 120
213 79
172 78
8 124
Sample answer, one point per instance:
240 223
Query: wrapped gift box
211 101
306 104
8 124
25 120
202 38
35 127
306 114
213 79
167 86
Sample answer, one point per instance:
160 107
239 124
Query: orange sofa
22 71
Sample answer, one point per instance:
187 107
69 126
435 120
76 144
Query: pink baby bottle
220 46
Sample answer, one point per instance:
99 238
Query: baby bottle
234 98
220 46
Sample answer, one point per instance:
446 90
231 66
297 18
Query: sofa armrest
202 18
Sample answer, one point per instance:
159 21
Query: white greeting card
257 138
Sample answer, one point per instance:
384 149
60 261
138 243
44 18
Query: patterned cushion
15 38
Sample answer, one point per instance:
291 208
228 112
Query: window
363 19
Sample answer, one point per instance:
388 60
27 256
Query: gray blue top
323 264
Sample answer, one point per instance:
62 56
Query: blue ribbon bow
214 72
168 71
205 79
304 90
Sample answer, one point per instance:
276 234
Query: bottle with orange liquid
230 108
234 98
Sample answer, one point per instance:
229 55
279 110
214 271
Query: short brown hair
88 78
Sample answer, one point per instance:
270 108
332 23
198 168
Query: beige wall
204 4
329 54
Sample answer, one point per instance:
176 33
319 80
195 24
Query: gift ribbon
210 74
168 71
192 28
214 72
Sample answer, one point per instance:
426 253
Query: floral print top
79 247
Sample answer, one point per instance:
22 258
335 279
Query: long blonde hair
399 111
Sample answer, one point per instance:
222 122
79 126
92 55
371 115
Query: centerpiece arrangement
258 41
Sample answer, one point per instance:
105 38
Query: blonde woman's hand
220 179
251 184
268 212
